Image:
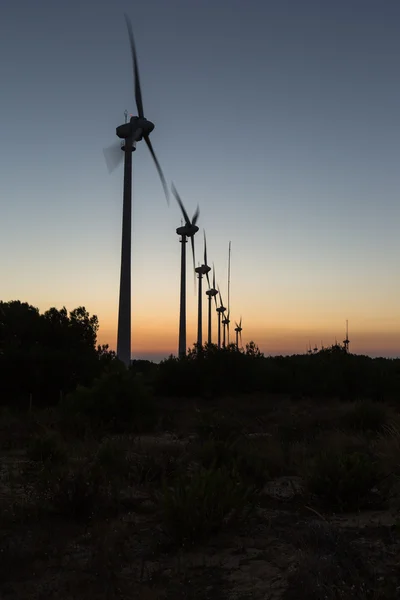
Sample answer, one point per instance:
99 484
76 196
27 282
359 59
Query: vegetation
225 473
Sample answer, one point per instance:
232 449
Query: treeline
47 356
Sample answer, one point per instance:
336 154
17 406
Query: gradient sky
281 119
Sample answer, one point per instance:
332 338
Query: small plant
48 446
200 505
343 480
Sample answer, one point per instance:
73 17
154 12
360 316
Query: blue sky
280 119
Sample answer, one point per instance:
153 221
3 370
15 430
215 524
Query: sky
280 119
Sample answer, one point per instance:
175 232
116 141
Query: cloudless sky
279 118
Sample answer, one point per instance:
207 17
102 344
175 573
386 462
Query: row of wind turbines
131 132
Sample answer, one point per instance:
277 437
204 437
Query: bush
48 446
148 468
199 505
115 403
366 415
112 457
343 480
78 491
215 425
254 462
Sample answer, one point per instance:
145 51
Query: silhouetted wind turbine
346 342
204 269
137 129
220 310
211 293
186 231
226 321
238 330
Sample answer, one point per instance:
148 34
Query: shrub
112 457
366 415
115 403
147 467
343 480
215 425
200 505
48 446
78 491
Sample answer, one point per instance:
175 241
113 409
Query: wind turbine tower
211 293
135 130
204 269
188 230
346 342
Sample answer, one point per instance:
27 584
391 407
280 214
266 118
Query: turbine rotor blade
208 281
185 215
113 156
196 216
213 277
205 247
138 91
160 173
194 259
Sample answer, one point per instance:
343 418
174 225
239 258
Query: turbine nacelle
187 230
136 129
221 309
203 269
212 292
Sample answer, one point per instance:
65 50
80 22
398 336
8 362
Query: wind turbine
204 269
220 310
137 129
185 231
226 320
211 293
238 330
346 342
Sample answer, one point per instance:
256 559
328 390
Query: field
254 496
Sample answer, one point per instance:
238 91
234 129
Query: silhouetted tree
44 354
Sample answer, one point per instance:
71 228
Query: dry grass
106 518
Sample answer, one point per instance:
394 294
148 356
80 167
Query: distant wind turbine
238 330
226 320
346 342
186 231
211 293
220 310
204 269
